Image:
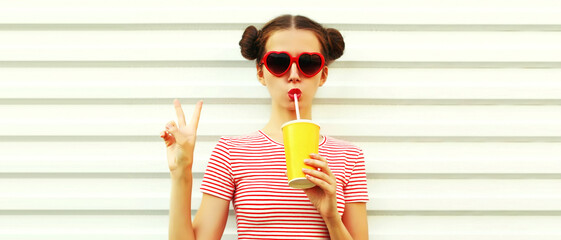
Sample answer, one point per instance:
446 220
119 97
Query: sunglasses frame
293 60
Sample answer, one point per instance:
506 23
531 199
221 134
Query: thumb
171 127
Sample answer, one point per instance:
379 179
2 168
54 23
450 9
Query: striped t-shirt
250 171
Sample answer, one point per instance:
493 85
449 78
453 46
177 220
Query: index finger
323 163
179 112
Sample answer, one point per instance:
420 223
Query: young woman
292 53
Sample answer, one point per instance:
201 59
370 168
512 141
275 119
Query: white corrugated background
457 105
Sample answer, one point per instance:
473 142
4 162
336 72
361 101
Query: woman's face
293 41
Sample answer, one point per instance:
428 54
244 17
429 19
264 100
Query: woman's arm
180 226
355 220
353 225
180 141
211 218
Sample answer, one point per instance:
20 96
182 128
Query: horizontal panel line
126 64
448 27
253 101
84 212
430 65
165 175
157 175
121 26
244 63
465 175
132 101
241 26
83 138
449 139
93 212
370 212
465 213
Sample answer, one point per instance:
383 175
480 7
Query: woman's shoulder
340 144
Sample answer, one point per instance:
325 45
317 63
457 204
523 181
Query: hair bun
335 43
248 43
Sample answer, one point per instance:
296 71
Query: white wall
457 105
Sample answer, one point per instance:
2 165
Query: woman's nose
294 73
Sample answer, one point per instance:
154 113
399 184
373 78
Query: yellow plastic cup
301 138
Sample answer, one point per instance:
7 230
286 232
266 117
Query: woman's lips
294 91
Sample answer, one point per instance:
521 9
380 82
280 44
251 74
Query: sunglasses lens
310 64
278 63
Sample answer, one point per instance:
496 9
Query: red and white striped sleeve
356 189
218 180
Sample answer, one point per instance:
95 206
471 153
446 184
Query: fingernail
305 170
306 160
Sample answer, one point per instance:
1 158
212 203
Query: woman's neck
278 117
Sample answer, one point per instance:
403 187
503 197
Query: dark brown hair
253 41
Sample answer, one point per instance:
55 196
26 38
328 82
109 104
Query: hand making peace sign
180 139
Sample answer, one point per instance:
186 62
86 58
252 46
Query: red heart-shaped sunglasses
278 62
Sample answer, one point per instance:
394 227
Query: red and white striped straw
296 106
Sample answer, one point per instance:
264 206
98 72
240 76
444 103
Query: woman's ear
323 76
260 76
